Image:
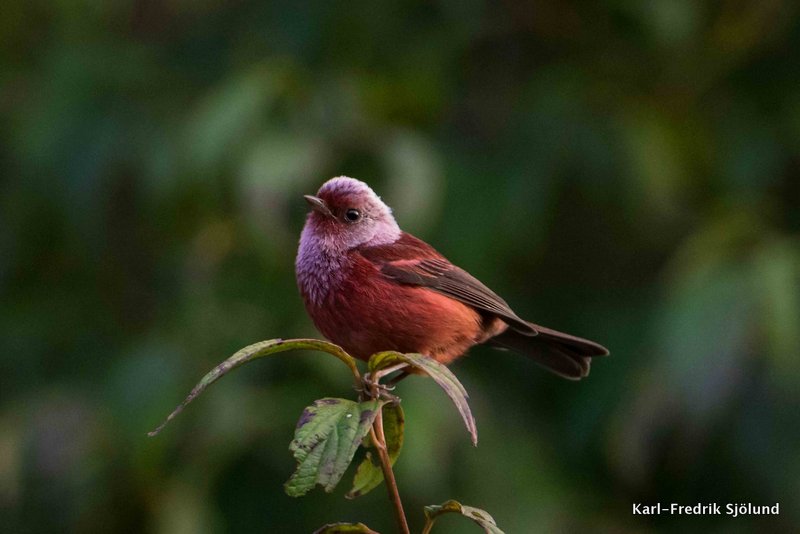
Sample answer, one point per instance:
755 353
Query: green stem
379 439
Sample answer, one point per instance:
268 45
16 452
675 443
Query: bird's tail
563 354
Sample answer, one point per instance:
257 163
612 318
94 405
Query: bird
369 287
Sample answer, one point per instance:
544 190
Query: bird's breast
354 305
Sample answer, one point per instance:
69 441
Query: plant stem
379 439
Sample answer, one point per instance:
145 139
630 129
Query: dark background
626 171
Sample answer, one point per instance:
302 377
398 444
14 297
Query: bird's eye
352 215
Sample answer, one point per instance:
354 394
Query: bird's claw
373 389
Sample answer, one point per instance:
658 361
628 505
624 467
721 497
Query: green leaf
345 528
439 373
327 436
255 351
369 474
479 516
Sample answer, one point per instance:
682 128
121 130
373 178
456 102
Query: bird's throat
318 267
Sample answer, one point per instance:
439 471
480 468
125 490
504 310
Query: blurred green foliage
627 171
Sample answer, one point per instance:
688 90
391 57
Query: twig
379 439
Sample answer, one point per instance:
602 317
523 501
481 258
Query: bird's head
346 213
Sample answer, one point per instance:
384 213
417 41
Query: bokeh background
626 171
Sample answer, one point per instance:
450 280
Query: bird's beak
318 205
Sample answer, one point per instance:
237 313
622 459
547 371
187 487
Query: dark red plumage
370 287
368 311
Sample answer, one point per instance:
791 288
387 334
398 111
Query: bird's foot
371 388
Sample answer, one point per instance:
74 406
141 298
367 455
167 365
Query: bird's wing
411 261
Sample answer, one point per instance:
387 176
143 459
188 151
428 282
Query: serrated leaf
481 517
253 352
345 528
369 474
325 440
439 373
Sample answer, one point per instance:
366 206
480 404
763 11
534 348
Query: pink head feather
326 239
